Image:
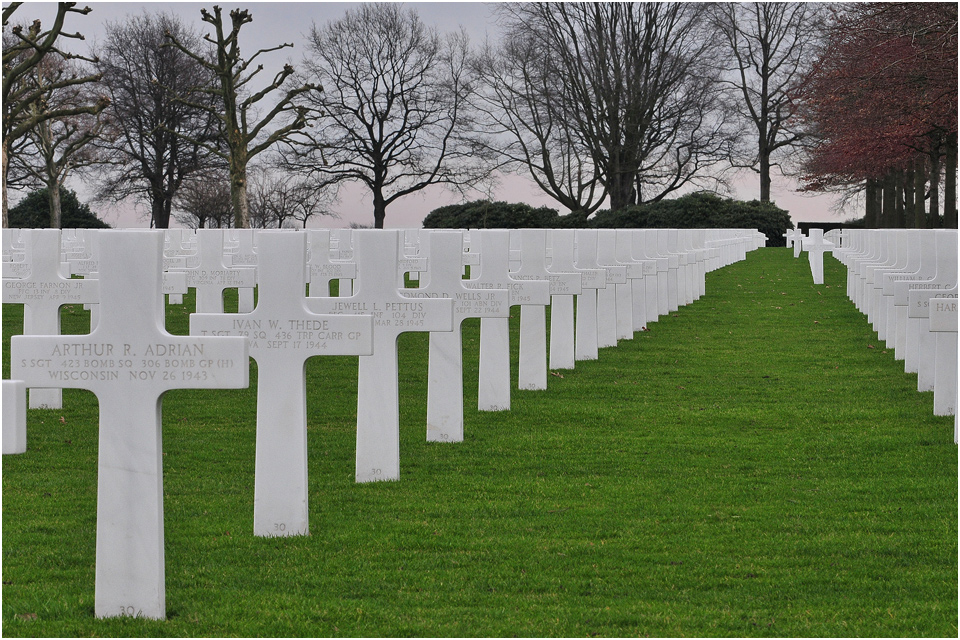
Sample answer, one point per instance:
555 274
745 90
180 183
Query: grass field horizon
755 464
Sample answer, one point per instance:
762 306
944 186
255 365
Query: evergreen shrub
702 210
483 214
33 212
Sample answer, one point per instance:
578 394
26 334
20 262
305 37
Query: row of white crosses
128 360
905 282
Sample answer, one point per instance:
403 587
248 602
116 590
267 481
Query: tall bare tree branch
21 54
395 116
245 139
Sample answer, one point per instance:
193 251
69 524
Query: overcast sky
278 22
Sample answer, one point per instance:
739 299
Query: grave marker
323 269
629 252
42 293
585 329
129 361
245 255
532 367
655 274
815 246
943 324
210 277
282 335
675 273
609 299
493 393
562 325
376 293
14 417
445 363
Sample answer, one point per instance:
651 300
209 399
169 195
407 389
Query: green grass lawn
756 464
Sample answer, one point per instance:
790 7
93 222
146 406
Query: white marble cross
918 296
12 246
129 361
87 262
562 325
445 364
341 249
815 246
283 334
42 294
666 270
943 324
655 270
671 241
908 340
562 243
493 272
323 269
586 329
245 256
639 271
532 367
376 293
210 277
14 417
612 250
606 297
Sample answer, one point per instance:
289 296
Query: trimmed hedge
693 211
483 214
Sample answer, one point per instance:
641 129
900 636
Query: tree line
600 104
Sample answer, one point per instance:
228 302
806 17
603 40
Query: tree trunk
5 162
919 191
53 193
764 175
379 209
899 220
156 204
620 186
909 201
622 194
888 215
950 183
935 186
163 222
872 201
238 196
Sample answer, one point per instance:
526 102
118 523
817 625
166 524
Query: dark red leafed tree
882 100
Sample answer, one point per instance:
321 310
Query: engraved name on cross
376 293
129 361
283 334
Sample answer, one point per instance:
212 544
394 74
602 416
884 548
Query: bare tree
396 112
58 146
643 99
277 199
771 44
526 118
203 200
151 142
244 136
23 108
309 201
260 188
